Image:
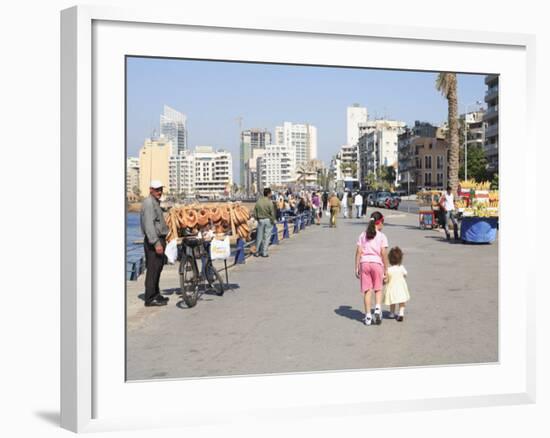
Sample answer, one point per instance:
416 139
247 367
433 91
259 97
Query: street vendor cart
428 208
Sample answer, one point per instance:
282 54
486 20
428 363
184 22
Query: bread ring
190 218
181 218
202 217
215 214
225 214
246 213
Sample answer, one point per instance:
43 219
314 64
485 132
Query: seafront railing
282 230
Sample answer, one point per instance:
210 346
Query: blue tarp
479 229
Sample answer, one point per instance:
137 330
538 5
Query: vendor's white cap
156 184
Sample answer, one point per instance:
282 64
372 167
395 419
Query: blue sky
213 94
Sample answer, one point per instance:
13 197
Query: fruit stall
479 207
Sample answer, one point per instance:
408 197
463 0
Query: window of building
428 161
440 180
427 179
440 161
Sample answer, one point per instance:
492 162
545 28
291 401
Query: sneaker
378 318
399 318
367 320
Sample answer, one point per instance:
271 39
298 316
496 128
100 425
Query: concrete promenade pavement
301 310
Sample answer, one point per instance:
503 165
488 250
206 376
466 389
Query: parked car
371 198
380 200
392 202
396 195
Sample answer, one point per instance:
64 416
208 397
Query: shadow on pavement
357 315
348 312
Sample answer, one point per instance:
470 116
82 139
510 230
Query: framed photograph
337 154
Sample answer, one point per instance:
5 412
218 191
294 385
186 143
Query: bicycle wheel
189 283
214 279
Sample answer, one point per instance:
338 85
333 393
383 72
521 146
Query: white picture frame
93 397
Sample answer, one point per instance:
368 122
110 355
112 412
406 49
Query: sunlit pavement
301 310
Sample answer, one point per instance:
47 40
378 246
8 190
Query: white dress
396 289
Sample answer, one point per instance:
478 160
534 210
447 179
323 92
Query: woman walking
371 265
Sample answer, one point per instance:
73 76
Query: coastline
134 207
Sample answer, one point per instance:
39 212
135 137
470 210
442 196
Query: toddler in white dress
396 290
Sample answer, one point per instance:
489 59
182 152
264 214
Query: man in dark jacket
155 230
264 212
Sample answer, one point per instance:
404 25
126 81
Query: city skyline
213 94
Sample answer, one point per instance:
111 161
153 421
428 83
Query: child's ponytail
375 218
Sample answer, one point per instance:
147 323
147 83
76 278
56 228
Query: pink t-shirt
371 250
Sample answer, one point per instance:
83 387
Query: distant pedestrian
371 265
155 230
325 201
447 205
358 201
396 290
334 205
350 205
345 204
264 212
316 203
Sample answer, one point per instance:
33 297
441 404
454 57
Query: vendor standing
447 205
155 230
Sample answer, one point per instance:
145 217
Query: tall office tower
301 141
173 126
251 139
356 115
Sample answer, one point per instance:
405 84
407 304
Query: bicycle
192 281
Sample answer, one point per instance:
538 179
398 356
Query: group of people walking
380 271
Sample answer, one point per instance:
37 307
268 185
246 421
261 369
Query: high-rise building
491 118
301 141
154 163
274 167
251 184
173 126
213 171
377 146
132 177
182 174
251 139
202 172
356 115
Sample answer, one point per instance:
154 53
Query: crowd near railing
291 224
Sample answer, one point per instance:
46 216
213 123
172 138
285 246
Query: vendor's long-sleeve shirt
264 209
152 220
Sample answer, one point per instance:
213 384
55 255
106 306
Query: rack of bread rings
226 218
476 199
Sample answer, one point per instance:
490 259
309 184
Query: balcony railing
491 131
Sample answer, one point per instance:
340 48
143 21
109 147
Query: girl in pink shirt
371 265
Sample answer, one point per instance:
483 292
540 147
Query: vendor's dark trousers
154 263
450 216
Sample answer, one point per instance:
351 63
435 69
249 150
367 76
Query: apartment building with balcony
491 120
203 172
423 156
275 167
378 146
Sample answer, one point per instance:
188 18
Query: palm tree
447 85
